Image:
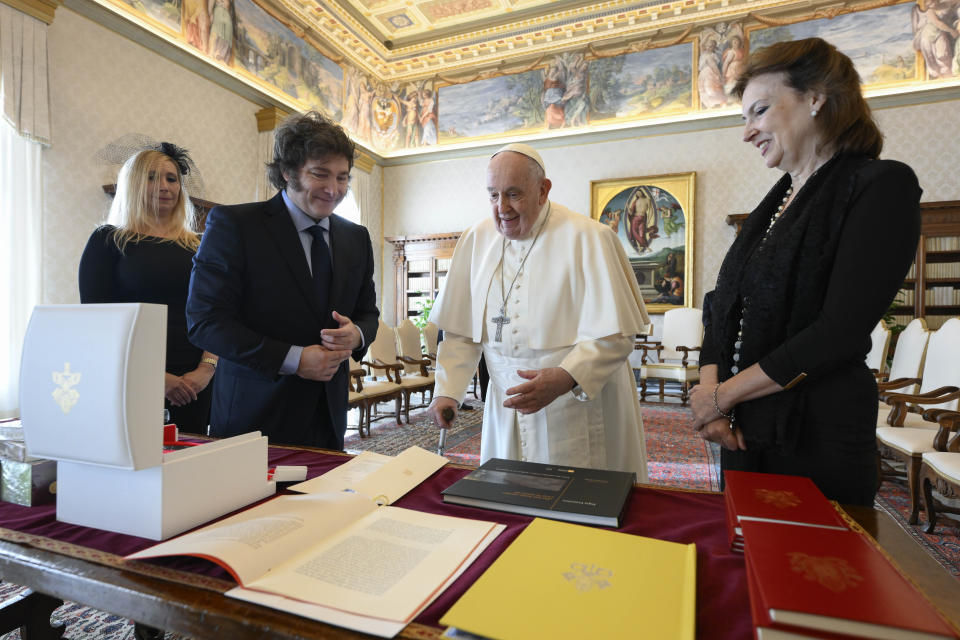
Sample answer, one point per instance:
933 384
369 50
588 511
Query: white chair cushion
946 463
375 389
906 440
415 381
667 371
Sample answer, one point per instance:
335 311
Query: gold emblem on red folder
64 395
830 572
780 499
586 577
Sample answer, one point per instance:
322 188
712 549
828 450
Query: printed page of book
253 542
383 480
345 476
366 624
387 565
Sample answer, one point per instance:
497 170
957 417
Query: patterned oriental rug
675 457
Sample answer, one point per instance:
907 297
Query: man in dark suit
283 292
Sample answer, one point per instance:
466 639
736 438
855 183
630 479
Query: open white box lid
92 381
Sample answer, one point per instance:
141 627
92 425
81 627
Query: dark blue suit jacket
252 297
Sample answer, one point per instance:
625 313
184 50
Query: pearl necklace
779 211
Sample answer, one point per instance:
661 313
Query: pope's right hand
438 406
318 363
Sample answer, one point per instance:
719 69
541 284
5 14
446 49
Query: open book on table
338 557
383 478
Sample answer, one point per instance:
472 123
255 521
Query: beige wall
448 195
102 86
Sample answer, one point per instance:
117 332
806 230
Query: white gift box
91 397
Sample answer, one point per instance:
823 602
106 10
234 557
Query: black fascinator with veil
128 145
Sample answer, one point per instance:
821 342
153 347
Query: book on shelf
827 583
574 494
770 497
560 580
338 557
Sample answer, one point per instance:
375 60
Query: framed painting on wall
653 219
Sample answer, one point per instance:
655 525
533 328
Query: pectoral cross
500 320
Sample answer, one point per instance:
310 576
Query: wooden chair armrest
423 362
949 422
686 353
899 383
933 414
937 396
647 346
879 376
387 367
358 379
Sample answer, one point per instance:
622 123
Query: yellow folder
560 580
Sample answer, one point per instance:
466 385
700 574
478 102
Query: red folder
770 497
826 583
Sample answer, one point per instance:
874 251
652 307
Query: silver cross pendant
500 320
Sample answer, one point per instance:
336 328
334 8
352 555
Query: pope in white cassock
548 297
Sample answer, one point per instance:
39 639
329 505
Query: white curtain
265 190
24 82
360 184
20 246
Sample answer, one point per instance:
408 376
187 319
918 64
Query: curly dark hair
814 64
302 137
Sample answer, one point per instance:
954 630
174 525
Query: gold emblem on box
63 395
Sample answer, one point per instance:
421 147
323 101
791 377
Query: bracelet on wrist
210 361
716 405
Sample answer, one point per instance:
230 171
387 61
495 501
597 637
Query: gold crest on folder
835 574
63 395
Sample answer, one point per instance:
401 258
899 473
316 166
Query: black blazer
252 297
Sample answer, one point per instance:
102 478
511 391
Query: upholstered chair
912 426
682 335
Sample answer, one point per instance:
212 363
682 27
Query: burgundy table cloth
676 515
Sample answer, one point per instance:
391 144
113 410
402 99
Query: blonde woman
144 253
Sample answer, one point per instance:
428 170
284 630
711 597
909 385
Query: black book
574 494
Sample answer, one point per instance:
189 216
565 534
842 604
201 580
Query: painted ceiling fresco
575 76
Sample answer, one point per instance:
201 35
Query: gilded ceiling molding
363 161
269 117
640 45
42 10
818 14
536 36
498 71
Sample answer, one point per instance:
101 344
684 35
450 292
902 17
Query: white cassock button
515 330
516 301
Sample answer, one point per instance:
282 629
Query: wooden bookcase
932 287
420 265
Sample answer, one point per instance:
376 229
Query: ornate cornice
363 161
269 117
39 9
